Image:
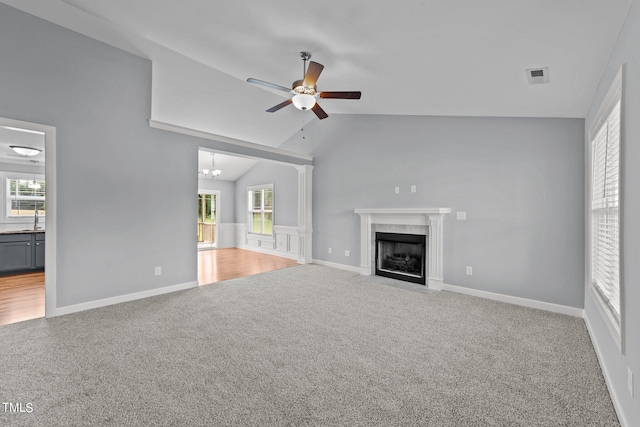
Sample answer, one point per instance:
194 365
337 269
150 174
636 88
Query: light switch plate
397 190
461 215
413 188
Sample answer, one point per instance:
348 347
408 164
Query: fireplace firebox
401 256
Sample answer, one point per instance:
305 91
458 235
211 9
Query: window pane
256 199
256 222
268 199
27 207
268 223
26 196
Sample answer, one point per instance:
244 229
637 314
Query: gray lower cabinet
39 261
21 252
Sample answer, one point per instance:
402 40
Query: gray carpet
306 345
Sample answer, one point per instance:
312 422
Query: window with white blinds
605 205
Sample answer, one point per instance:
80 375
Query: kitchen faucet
35 221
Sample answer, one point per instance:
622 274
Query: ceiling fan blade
269 85
313 72
341 95
319 112
279 106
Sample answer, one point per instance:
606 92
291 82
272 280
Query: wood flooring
223 264
22 295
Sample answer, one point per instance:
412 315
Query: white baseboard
606 375
273 252
336 265
541 305
60 311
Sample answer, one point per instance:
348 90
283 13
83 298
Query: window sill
608 318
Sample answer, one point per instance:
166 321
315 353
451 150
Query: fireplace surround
428 222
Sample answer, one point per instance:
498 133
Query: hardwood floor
22 295
223 264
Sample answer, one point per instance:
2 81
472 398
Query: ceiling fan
304 91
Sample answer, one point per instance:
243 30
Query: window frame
8 177
615 95
251 209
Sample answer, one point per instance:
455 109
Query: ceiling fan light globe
303 101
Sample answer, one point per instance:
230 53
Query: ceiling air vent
538 75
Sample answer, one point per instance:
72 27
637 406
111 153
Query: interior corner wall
285 189
520 182
615 363
125 192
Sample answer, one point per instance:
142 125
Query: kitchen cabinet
39 259
21 252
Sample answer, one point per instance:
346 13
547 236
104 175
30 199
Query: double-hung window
25 197
261 209
605 139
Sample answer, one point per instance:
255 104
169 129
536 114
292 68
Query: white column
365 246
305 224
436 237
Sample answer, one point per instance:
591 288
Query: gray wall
285 187
614 363
521 182
227 201
125 192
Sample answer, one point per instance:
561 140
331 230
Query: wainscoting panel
284 242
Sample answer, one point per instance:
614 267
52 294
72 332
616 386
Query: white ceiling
23 138
415 57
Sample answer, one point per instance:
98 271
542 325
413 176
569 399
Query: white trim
123 298
305 214
219 138
606 374
540 305
345 267
51 263
615 92
607 317
218 210
268 251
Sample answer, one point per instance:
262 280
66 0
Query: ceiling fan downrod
305 57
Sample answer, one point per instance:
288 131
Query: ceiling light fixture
25 151
215 173
34 184
304 101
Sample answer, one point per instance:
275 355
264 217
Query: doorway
208 201
27 289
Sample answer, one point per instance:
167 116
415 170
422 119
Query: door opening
208 219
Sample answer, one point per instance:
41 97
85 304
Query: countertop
21 232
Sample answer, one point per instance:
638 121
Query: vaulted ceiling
415 57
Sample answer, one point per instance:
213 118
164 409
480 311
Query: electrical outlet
469 271
413 188
630 381
329 250
397 190
158 271
461 215
347 253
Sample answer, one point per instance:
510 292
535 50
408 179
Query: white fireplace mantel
431 218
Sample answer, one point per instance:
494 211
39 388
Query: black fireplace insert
401 256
